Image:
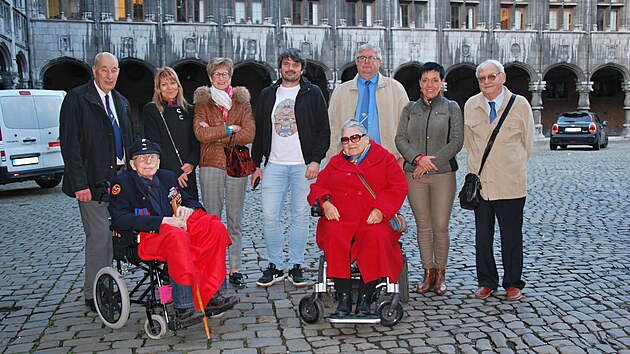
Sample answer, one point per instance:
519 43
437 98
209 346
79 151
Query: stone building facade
562 55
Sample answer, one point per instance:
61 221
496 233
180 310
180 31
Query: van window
19 112
48 108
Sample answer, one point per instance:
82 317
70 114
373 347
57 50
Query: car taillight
3 156
554 129
592 128
54 143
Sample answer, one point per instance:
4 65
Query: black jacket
311 115
87 139
131 208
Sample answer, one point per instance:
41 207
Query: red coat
376 246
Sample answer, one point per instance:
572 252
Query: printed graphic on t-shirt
284 118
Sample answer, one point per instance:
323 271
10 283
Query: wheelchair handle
316 209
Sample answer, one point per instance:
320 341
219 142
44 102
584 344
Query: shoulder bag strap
366 185
495 132
171 137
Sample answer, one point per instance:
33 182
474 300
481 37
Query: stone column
537 106
626 107
584 88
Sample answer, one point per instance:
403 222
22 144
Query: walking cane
176 199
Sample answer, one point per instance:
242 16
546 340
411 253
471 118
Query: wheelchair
388 295
111 295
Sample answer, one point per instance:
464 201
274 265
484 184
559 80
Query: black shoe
236 279
363 305
296 276
271 275
187 317
219 304
90 304
344 307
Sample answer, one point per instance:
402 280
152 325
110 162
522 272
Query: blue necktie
493 112
117 135
365 103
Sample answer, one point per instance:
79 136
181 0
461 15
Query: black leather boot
363 305
345 305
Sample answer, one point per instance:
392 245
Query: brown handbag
238 161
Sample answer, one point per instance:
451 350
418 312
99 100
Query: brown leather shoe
483 292
439 285
513 294
427 281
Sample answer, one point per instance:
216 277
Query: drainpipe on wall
160 34
389 39
28 44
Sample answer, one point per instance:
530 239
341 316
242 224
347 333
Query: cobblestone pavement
577 252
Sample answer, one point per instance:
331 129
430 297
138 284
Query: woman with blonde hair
168 121
223 112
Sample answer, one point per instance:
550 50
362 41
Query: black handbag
238 161
470 194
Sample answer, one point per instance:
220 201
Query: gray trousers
216 188
98 242
431 200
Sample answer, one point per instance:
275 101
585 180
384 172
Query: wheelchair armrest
316 209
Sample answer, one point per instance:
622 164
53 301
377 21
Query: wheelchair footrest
354 319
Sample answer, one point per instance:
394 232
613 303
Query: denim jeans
182 295
277 180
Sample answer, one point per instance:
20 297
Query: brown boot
439 286
427 282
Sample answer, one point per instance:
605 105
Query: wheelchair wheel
403 281
111 297
159 327
311 310
389 316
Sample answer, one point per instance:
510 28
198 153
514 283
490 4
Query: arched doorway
135 82
607 98
316 74
560 95
461 84
409 76
254 76
349 73
22 71
65 74
517 81
5 68
192 74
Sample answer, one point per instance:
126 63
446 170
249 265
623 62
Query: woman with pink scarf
222 112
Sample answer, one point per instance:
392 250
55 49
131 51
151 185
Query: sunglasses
352 138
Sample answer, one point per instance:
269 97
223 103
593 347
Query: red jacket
376 246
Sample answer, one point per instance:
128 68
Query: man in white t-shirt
293 135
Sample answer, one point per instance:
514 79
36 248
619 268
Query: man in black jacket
293 135
95 131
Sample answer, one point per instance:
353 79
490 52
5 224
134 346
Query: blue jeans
277 180
182 295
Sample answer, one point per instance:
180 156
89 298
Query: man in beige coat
371 98
503 178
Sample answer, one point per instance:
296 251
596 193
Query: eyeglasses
147 157
219 75
352 138
364 58
490 77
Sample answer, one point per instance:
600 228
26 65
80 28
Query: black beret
144 147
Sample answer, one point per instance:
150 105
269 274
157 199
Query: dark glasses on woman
354 138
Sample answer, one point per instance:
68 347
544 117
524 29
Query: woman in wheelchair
192 242
354 223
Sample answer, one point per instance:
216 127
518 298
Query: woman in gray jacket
430 134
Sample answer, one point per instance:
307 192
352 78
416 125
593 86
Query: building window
359 12
305 12
513 17
608 17
247 10
188 10
561 16
463 15
411 13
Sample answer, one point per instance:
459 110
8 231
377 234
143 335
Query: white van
29 136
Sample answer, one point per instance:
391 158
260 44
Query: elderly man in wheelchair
172 228
359 190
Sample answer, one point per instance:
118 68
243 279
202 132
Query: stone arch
135 82
348 72
192 74
518 78
64 73
607 97
318 74
408 74
560 94
5 68
22 70
461 83
254 75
